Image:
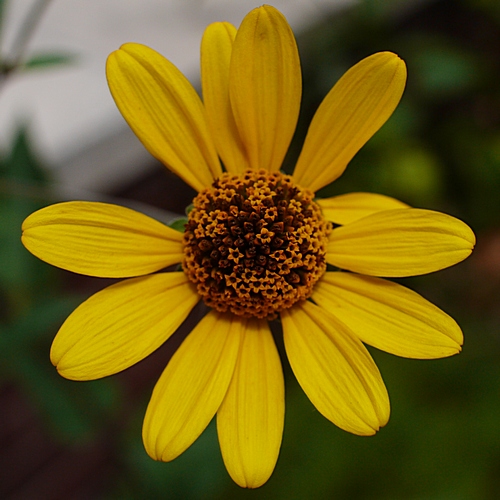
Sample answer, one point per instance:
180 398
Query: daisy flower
257 247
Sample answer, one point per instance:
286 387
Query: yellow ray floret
265 87
216 50
398 243
121 325
346 208
100 239
164 111
356 107
192 387
389 316
250 422
335 370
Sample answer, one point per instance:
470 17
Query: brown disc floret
255 244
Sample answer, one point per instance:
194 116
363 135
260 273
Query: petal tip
392 58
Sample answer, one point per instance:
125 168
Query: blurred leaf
179 224
412 173
20 170
443 68
44 60
189 208
22 161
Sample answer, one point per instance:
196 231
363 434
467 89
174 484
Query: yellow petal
99 239
335 370
265 86
349 207
122 324
250 419
164 111
399 243
389 316
356 107
192 386
216 48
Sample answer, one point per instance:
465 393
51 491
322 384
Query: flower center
255 244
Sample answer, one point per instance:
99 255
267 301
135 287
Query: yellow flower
256 247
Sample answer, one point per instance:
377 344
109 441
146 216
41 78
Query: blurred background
62 138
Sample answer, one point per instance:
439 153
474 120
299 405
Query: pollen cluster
255 244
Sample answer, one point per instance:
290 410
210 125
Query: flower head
256 247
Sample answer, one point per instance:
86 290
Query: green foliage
179 224
36 62
19 170
48 60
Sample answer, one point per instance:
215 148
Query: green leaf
44 60
22 162
444 69
20 170
179 224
